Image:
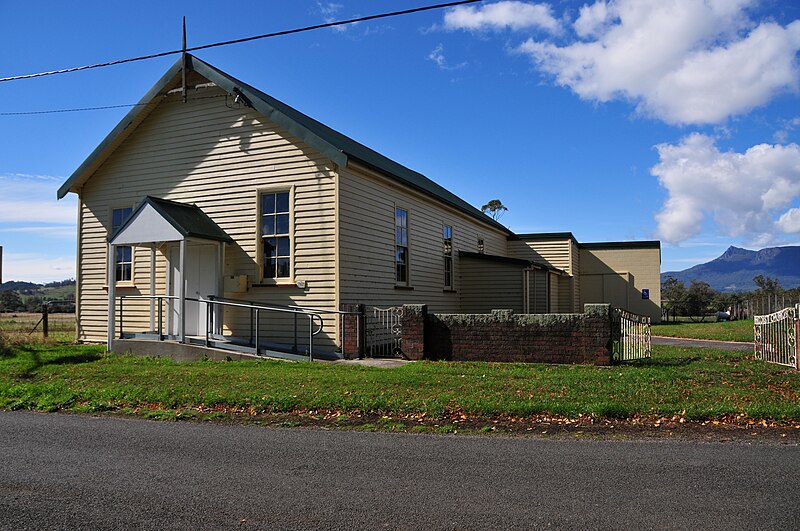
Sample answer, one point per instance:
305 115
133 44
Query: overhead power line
101 108
245 39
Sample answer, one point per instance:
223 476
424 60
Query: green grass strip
723 331
694 383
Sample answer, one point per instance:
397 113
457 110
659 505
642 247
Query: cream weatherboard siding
537 284
491 285
217 155
561 253
621 273
555 253
574 270
367 203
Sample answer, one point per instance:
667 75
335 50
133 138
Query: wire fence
37 324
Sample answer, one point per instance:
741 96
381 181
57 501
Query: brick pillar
598 329
352 331
413 325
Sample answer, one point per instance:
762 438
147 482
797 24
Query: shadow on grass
38 362
660 362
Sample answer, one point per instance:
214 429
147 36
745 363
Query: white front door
200 279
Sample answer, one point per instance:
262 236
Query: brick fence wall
503 336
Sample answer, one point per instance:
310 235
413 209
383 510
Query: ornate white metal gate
383 331
776 337
630 335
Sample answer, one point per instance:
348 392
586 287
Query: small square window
123 258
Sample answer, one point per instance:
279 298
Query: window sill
276 285
449 290
404 288
122 286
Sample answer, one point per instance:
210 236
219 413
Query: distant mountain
735 269
64 289
19 286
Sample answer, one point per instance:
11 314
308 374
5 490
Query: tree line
699 300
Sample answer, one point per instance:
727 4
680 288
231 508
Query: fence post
45 324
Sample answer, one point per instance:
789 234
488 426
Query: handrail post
208 319
121 299
311 337
294 346
251 326
256 342
160 319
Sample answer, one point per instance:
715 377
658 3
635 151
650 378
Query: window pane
268 225
283 246
269 268
282 225
283 267
448 232
401 236
283 202
269 247
401 273
122 272
401 255
268 204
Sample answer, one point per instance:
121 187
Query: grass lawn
696 384
725 331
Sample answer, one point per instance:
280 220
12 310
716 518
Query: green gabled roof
188 220
333 144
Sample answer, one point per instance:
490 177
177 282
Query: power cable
245 39
104 107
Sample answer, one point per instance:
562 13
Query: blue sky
617 120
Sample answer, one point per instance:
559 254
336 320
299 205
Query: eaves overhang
135 116
335 146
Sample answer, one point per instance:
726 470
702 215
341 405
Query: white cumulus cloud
682 61
743 193
508 14
790 221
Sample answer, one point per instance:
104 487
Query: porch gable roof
184 220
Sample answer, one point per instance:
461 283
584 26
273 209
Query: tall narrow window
401 245
123 260
447 237
480 245
275 239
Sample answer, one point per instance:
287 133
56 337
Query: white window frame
260 236
447 255
111 228
407 246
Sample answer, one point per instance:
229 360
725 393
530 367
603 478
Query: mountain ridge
734 269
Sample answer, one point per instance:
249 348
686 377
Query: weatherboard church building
211 190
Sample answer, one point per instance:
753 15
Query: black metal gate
383 331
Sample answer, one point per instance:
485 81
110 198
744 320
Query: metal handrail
314 317
304 309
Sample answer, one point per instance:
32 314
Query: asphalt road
71 472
